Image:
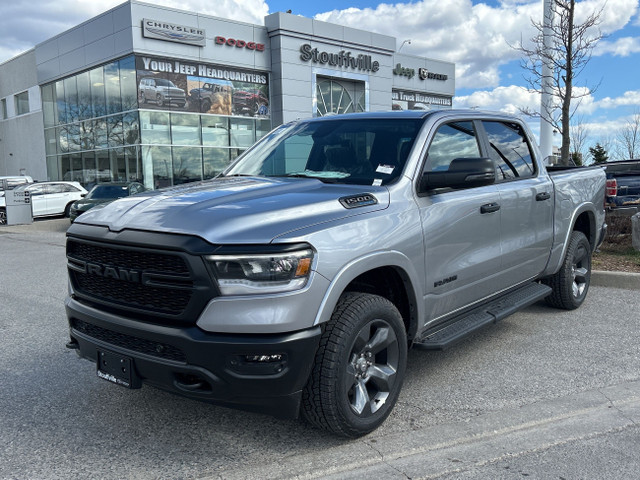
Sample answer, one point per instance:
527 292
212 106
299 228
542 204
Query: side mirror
462 173
83 195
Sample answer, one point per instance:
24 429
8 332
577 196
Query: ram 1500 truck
296 281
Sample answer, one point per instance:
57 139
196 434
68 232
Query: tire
571 283
3 216
205 105
359 367
67 209
143 99
159 100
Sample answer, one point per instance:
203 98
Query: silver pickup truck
297 281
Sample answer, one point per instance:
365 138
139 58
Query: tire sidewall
577 239
384 310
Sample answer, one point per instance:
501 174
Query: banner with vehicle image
177 85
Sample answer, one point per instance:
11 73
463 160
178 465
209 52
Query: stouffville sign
340 59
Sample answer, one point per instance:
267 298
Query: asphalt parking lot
544 394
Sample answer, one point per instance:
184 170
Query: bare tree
629 137
578 134
570 52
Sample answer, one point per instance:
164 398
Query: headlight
261 273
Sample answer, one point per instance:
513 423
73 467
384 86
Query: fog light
258 364
263 358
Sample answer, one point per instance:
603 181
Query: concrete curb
626 280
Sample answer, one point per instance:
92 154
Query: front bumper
226 369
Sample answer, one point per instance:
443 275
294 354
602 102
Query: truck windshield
353 151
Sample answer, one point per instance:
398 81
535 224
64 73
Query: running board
442 337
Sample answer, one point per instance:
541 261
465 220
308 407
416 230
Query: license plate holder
116 368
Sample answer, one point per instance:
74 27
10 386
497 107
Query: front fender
366 263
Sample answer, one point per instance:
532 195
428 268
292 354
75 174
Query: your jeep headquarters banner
183 86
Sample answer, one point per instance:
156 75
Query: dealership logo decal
173 32
425 74
340 59
404 72
232 42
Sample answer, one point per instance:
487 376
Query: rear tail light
612 187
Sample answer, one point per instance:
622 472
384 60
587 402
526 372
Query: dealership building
166 96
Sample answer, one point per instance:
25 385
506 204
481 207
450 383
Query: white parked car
53 198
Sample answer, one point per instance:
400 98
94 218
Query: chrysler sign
173 32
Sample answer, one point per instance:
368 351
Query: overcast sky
475 35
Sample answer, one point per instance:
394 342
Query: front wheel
571 283
359 367
3 216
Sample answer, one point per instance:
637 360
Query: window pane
118 164
53 172
99 106
100 132
50 141
76 168
242 132
509 150
262 128
453 140
87 141
155 127
215 131
73 133
71 99
4 108
187 164
48 105
61 105
112 88
63 140
22 103
66 173
84 96
185 129
89 170
114 131
160 158
215 160
128 83
134 164
104 166
131 128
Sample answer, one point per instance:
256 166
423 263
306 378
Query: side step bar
444 336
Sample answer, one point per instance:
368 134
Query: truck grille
140 281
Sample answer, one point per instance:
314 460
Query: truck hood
237 210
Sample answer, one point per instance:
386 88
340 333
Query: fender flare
366 263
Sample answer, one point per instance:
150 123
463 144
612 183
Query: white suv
53 198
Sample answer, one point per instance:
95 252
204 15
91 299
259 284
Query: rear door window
510 150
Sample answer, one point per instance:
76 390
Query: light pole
546 129
402 45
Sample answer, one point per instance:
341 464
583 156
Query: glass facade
100 127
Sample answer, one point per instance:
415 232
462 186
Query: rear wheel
3 216
571 283
359 367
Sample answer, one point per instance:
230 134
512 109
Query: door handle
541 197
490 208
